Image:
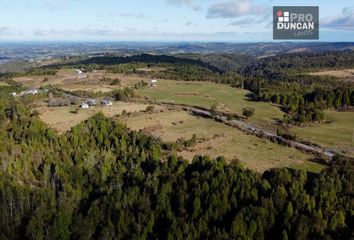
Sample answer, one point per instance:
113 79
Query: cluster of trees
42 71
131 64
225 62
181 144
146 59
285 134
123 94
102 181
280 66
125 68
248 112
140 85
281 80
183 72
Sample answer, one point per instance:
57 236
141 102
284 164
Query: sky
161 20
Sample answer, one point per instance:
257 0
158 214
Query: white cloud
234 9
128 34
343 21
55 5
130 14
189 23
8 31
245 22
189 3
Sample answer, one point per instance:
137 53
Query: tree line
283 80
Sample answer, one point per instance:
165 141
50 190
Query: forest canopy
102 181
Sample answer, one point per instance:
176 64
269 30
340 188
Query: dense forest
280 66
102 181
226 62
147 59
284 80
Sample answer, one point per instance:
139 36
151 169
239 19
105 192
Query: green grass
221 140
337 134
205 94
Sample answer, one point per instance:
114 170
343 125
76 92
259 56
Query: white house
80 74
153 82
14 94
84 105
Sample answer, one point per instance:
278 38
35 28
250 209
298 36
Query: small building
153 82
84 105
106 102
91 102
28 92
78 71
14 94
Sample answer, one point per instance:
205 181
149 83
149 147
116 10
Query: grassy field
68 79
337 134
206 94
347 74
63 118
220 140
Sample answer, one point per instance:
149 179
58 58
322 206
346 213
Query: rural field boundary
239 122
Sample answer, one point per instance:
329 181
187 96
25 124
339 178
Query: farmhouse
84 105
106 102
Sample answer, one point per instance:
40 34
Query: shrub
248 112
150 108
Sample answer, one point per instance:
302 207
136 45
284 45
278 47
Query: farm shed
84 105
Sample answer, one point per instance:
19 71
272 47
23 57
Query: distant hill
149 59
277 67
225 62
37 50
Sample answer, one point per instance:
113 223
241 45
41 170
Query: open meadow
206 94
70 80
339 133
344 74
63 118
216 139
